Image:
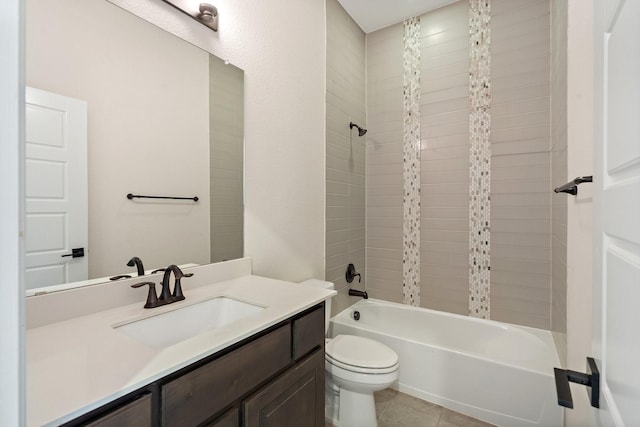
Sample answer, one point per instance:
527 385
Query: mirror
161 117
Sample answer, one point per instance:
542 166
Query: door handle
590 379
75 253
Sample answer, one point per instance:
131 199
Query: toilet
355 367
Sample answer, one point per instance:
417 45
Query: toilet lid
360 352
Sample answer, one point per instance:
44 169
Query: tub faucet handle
352 273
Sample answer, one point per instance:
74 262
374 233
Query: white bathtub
496 372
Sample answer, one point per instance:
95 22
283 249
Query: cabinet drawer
308 332
136 413
205 391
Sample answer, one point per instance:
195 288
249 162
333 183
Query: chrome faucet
166 296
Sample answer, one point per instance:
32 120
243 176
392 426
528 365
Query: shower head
361 131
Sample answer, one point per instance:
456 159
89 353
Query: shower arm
361 131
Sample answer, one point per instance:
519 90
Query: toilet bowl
358 366
355 368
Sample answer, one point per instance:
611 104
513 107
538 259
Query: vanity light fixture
204 13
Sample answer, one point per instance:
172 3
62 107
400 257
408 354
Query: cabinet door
294 399
230 419
136 413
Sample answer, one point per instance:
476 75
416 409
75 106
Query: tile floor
395 409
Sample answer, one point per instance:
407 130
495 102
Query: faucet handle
351 273
152 296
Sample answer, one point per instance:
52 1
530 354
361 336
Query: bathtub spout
356 293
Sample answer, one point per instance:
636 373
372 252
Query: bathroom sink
172 327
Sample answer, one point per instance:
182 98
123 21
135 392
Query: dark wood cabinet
194 397
135 413
294 399
274 378
307 336
230 419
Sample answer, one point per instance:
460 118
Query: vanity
168 117
87 363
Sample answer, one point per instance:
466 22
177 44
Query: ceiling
372 15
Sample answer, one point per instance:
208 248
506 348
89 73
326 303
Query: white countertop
80 364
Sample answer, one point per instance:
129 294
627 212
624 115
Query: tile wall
411 162
480 158
520 159
520 162
559 175
445 159
384 156
345 165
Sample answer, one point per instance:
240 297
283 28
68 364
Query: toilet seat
362 355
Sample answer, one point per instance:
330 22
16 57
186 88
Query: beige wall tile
345 157
559 176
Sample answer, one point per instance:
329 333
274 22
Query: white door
56 189
616 297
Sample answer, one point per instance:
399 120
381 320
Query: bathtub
496 372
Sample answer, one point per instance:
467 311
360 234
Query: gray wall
444 266
520 162
384 163
559 175
345 198
226 121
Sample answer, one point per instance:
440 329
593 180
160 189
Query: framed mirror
153 116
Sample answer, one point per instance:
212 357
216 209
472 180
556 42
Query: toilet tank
327 305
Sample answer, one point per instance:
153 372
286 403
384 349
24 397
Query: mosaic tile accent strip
411 163
480 158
